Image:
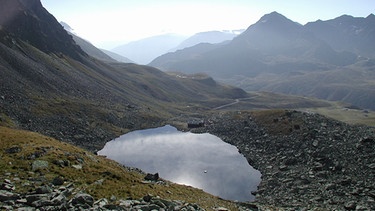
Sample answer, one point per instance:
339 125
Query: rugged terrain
49 85
307 161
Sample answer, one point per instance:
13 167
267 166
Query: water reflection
200 160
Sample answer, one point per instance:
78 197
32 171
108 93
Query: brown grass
118 181
276 121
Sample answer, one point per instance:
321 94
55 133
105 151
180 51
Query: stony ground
58 197
307 161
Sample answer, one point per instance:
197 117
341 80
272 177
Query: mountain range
279 55
211 37
145 50
161 44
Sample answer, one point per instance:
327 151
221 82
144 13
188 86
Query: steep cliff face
29 21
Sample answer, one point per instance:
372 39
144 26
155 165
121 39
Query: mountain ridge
155 45
31 22
276 52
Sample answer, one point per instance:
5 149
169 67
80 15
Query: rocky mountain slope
117 57
50 85
279 55
346 33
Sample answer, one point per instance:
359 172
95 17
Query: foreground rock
66 198
307 161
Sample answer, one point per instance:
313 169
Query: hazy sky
105 22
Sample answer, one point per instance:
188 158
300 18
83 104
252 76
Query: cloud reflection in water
200 160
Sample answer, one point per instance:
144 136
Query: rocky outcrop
306 160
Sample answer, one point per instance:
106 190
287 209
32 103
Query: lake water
200 160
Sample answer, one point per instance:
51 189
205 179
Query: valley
300 110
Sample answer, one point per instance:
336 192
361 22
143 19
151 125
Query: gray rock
9 187
152 177
6 196
13 150
99 182
83 199
113 207
147 198
58 181
36 197
78 167
39 164
59 199
315 143
350 205
362 208
43 189
221 209
101 202
126 203
42 203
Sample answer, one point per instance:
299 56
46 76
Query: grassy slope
350 116
118 181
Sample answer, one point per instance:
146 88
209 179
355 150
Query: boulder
7 196
58 181
39 164
152 177
83 199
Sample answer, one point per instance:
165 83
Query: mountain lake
203 161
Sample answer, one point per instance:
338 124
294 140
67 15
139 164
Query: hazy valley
266 98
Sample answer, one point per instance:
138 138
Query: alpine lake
203 161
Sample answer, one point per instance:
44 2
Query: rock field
307 161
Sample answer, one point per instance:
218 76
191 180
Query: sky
109 23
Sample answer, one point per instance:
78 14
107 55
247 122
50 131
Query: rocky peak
371 16
278 21
28 21
273 31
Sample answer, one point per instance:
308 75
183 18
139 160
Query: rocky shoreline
307 161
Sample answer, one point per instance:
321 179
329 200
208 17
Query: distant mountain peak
371 16
273 27
273 17
277 21
67 27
